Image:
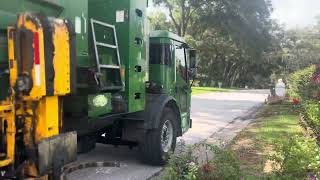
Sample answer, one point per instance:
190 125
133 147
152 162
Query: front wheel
158 143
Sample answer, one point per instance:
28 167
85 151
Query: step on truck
74 73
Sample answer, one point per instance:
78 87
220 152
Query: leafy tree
181 12
239 44
160 21
248 23
302 48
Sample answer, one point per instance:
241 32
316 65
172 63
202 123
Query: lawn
205 90
274 124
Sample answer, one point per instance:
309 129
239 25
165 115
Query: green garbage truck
74 73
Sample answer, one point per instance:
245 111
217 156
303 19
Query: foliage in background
160 21
301 48
238 43
182 13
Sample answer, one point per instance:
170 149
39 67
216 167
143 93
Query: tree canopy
238 42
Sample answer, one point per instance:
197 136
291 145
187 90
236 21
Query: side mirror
192 63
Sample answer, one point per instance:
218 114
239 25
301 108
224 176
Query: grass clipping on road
205 90
276 146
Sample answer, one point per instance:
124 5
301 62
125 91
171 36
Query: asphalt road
211 113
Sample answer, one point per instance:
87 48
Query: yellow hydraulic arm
7 113
39 50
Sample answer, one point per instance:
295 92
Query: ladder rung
109 66
106 45
102 23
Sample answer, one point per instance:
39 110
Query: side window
155 53
181 62
168 49
161 54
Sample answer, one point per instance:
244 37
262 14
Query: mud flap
57 151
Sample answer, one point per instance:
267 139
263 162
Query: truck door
183 90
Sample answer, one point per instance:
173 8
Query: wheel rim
167 136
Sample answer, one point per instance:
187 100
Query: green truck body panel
132 53
166 35
129 19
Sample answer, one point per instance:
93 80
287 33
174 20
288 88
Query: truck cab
169 71
172 65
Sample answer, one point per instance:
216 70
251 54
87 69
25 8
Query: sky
296 13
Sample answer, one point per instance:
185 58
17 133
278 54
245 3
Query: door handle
85 23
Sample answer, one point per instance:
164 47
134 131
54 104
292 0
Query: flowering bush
305 86
183 165
311 113
316 79
316 75
186 164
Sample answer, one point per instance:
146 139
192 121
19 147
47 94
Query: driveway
211 113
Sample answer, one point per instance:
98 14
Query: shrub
305 86
299 83
311 113
182 166
296 158
186 165
224 165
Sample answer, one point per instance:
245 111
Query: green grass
274 125
277 128
205 90
276 122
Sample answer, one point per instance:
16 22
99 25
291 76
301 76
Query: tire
153 151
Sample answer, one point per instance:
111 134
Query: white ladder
106 45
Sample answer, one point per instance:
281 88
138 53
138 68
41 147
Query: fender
154 108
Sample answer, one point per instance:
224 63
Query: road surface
213 115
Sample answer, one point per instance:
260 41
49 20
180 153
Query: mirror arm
191 85
193 79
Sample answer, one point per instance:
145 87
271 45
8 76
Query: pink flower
316 75
316 78
312 177
206 168
295 102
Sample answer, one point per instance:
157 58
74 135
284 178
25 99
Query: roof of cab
166 34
